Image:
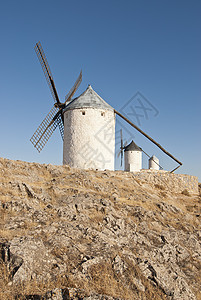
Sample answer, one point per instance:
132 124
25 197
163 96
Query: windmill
55 117
149 138
132 155
96 112
124 148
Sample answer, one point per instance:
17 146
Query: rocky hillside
76 234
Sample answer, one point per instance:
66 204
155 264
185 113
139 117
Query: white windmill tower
154 163
132 158
132 155
89 132
86 124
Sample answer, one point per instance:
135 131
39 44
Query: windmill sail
46 128
121 148
46 69
55 116
74 88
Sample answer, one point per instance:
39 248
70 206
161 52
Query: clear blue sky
123 47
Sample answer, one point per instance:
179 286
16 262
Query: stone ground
77 234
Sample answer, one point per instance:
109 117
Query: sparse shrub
163 194
159 186
185 192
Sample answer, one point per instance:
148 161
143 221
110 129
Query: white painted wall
89 138
154 163
132 161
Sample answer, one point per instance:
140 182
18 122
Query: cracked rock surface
77 234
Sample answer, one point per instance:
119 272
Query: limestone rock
96 235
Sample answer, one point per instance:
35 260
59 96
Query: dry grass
10 291
5 290
97 216
104 280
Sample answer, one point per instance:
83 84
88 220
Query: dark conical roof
132 147
153 158
88 99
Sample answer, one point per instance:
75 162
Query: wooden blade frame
74 88
121 148
55 117
61 124
46 128
46 69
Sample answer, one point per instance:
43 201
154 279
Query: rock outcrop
83 234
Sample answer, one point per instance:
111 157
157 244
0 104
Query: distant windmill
133 156
55 116
84 124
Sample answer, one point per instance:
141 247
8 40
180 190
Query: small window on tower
83 113
102 114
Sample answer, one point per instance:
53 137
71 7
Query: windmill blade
46 128
121 158
148 137
121 147
121 139
119 153
74 88
46 69
60 123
